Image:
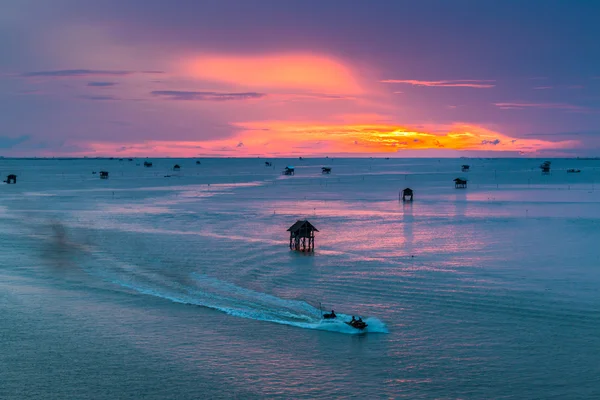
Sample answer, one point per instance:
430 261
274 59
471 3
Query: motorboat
357 324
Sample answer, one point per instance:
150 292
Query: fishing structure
545 167
460 183
289 170
12 178
406 194
302 236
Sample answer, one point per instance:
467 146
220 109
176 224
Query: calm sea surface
183 287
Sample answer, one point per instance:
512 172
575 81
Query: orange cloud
286 138
277 71
385 138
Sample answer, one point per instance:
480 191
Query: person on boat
353 320
359 319
333 314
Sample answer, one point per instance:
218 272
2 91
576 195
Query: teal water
142 286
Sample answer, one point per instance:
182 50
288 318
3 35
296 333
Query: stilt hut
302 236
198 163
268 164
460 183
545 167
147 164
12 178
465 168
176 167
289 170
103 174
407 194
325 170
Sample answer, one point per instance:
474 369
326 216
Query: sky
275 78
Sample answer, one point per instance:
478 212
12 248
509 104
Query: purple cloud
494 142
101 84
545 106
99 97
205 96
470 83
82 73
70 73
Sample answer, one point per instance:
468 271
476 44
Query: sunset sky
394 78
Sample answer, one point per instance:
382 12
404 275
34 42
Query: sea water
163 284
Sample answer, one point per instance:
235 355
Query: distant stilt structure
545 167
326 170
460 183
268 164
147 164
12 178
103 175
407 193
465 168
176 167
289 170
302 236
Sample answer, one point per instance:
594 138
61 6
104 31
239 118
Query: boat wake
192 288
206 291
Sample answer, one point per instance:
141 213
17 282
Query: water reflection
407 227
460 203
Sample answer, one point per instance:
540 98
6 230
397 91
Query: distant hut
103 174
12 178
545 167
460 183
407 194
573 170
325 170
465 168
130 159
268 164
176 167
198 162
147 164
302 236
289 170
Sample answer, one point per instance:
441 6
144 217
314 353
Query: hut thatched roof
302 226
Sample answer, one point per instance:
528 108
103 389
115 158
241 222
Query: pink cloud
275 71
470 83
